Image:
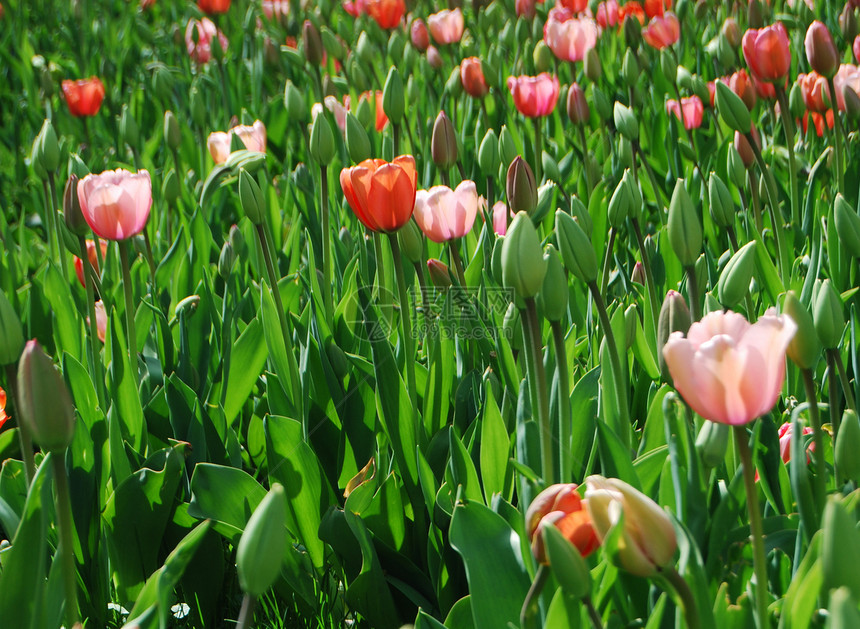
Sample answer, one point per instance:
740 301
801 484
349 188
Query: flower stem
840 174
96 364
564 422
61 245
130 332
815 420
246 614
66 548
776 216
528 613
25 441
538 149
688 602
607 257
458 262
327 287
843 379
756 534
788 126
649 275
408 341
693 290
596 621
537 374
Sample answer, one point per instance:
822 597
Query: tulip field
389 314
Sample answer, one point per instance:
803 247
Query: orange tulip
93 257
654 8
3 415
382 194
743 86
472 77
662 31
815 91
387 13
214 6
767 52
560 506
84 97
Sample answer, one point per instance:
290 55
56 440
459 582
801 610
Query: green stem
649 275
589 184
381 287
328 286
66 548
25 440
620 376
818 439
408 341
246 614
685 594
528 613
538 149
50 219
843 379
150 259
840 173
531 323
607 258
565 427
756 533
788 127
226 341
833 394
776 216
96 363
596 621
458 261
130 332
61 245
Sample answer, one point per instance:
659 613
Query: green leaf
495 445
225 494
463 469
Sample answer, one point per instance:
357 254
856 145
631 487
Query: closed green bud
712 443
397 45
312 43
11 333
685 231
828 316
365 50
507 147
553 295
674 317
580 213
443 143
357 76
77 167
332 44
321 140
576 249
795 101
625 121
624 151
847 446
512 326
722 205
44 402
488 154
393 98
601 103
847 226
732 109
700 88
632 31
261 548
363 112
454 85
668 65
635 194
735 166
411 241
620 205
439 273
357 142
591 65
523 266
226 261
237 241
840 548
542 57
521 187
683 78
567 564
172 135
550 167
848 24
297 108
72 215
630 68
734 281
251 198
805 347
852 102
198 107
128 130
170 187
48 153
755 19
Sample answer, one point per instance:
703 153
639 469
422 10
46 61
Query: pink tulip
253 137
433 57
847 76
534 96
338 109
569 37
201 50
767 52
446 26
116 203
728 370
526 8
856 48
607 13
420 37
101 320
276 8
500 218
662 31
691 108
444 214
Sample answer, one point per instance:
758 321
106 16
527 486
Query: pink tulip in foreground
446 26
569 37
444 214
691 108
116 203
252 136
534 96
728 370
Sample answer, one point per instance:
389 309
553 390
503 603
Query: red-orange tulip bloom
201 50
654 8
741 84
214 6
691 108
815 91
767 52
534 96
577 6
818 121
84 97
764 89
560 506
387 13
93 257
382 194
472 77
3 415
631 8
662 31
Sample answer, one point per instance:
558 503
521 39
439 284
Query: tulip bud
847 226
684 78
852 102
712 443
840 548
668 65
580 213
454 84
542 57
601 103
439 272
393 100
77 167
685 231
734 281
630 68
364 50
260 551
674 317
620 205
170 187
172 135
592 66
488 154
321 140
795 101
443 143
363 113
11 333
411 241
420 36
512 327
523 266
554 294
626 122
312 43
735 166
357 77
434 58
804 348
848 22
577 106
576 249
521 187
72 215
820 50
732 32
755 19
44 402
357 142
568 566
744 151
551 173
226 261
700 88
294 102
560 505
847 446
632 31
332 44
828 316
637 275
49 147
251 198
732 109
128 130
722 206
507 148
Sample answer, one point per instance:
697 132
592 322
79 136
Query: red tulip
101 320
472 77
93 257
692 109
3 415
116 203
607 13
856 48
534 96
446 26
577 107
419 34
764 89
355 9
382 194
818 121
201 50
662 31
576 6
84 97
742 146
560 506
214 6
525 8
387 13
654 8
741 84
634 9
767 52
569 37
712 92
